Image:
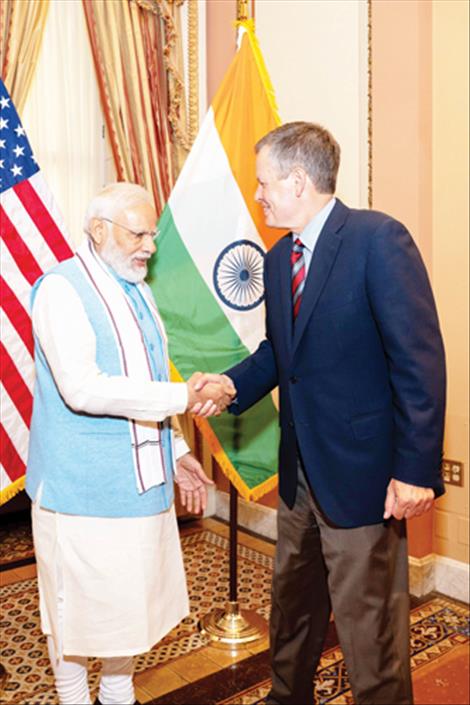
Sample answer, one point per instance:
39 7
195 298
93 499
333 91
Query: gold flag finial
242 10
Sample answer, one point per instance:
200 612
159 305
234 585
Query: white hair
113 199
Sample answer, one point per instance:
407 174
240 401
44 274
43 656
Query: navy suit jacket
361 373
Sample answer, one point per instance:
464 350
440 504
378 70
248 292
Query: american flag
33 239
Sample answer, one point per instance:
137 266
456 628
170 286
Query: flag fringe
247 493
265 487
249 27
9 492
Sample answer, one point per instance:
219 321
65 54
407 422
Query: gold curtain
168 12
136 46
21 30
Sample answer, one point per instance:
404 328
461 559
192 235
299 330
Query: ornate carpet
16 542
23 650
439 631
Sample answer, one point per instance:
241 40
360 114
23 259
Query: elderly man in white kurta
103 454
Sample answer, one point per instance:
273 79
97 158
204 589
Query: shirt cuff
179 397
181 447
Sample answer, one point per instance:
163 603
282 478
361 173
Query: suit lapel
322 262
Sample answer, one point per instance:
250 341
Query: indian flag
208 275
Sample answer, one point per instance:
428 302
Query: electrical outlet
452 472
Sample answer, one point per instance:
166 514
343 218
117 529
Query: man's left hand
404 501
192 482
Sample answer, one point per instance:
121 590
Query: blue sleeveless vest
84 462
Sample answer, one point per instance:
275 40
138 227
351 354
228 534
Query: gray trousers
360 573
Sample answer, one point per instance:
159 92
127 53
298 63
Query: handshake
209 394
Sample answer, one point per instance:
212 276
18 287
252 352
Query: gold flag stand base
231 627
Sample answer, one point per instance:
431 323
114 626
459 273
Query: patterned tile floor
184 669
184 655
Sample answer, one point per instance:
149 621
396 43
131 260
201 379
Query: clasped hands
209 394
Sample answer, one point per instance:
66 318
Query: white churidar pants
71 674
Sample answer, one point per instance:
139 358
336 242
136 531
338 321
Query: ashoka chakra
238 275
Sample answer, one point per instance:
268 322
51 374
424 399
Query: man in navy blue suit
353 342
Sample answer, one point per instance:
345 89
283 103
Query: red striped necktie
298 274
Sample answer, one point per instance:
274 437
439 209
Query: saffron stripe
18 250
243 114
43 220
11 461
15 386
17 315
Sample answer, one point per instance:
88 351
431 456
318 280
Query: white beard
121 263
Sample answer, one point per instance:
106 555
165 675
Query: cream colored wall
221 42
402 143
316 54
450 259
402 115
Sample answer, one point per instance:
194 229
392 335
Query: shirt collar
312 230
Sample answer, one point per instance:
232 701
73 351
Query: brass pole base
231 627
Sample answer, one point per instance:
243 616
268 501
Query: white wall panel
316 54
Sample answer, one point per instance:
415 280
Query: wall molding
452 578
439 573
427 574
211 507
422 574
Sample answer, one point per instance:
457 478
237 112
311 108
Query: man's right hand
209 394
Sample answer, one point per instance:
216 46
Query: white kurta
121 580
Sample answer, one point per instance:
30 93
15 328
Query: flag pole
232 628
